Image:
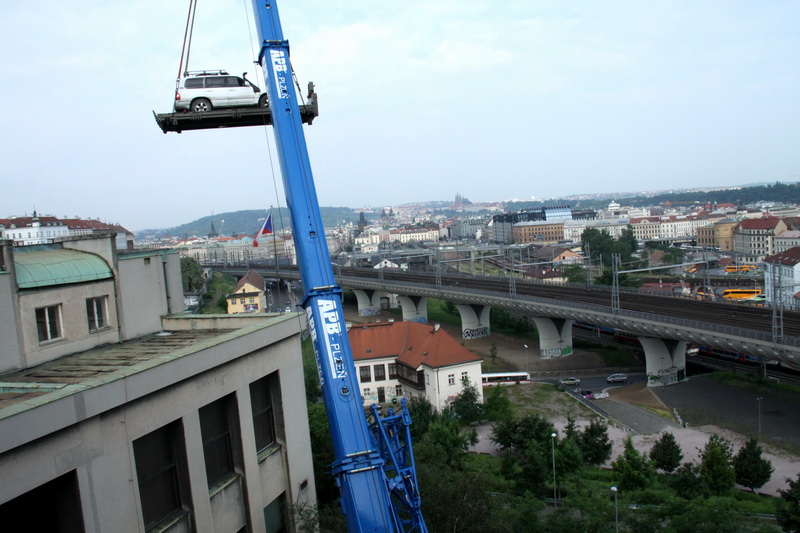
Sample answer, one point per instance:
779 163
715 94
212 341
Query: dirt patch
639 394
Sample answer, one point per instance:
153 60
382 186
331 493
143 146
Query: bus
505 378
740 294
740 268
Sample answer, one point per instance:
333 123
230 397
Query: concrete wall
143 294
10 354
98 448
74 323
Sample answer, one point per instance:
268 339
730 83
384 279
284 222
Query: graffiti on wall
369 311
550 353
475 333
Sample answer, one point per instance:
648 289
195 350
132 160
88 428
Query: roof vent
436 327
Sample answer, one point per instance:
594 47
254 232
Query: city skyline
417 100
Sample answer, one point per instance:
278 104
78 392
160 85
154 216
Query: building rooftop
97 380
412 343
38 266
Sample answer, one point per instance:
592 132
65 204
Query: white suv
206 90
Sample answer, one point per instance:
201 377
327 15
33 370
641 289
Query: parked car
206 90
572 382
587 394
617 378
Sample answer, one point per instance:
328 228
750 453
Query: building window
465 377
215 427
252 300
392 370
159 471
398 390
451 379
380 372
265 397
241 300
96 312
275 515
48 322
364 373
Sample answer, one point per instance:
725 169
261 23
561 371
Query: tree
466 404
496 405
687 482
574 273
666 453
191 275
635 471
594 443
752 470
568 457
787 508
716 468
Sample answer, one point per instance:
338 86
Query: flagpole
275 254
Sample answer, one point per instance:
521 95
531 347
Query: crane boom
374 465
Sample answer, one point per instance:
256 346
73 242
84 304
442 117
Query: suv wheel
262 101
201 105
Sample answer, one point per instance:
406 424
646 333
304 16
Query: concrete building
540 231
717 235
782 278
117 413
753 239
405 359
787 239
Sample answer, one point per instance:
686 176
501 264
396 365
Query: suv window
233 81
215 82
194 83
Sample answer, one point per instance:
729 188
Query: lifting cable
187 41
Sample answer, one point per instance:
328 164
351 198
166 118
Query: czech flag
266 229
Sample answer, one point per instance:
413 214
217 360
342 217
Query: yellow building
249 295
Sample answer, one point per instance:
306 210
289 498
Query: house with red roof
249 295
406 359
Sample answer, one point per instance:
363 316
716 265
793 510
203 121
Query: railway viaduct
663 332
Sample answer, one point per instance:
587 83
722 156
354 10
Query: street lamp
616 510
553 442
527 366
759 417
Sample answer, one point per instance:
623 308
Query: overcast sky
419 100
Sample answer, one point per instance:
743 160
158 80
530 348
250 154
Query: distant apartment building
413 234
754 239
500 227
43 229
786 239
717 235
782 278
405 359
538 231
120 413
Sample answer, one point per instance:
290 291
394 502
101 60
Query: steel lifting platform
231 117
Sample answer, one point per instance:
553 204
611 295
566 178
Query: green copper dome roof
58 267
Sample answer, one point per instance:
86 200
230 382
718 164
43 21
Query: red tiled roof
759 223
790 257
253 278
412 343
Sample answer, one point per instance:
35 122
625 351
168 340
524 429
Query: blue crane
374 464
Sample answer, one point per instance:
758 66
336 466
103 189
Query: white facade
36 233
443 384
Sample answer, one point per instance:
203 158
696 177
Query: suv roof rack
218 72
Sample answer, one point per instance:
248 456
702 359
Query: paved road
703 400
